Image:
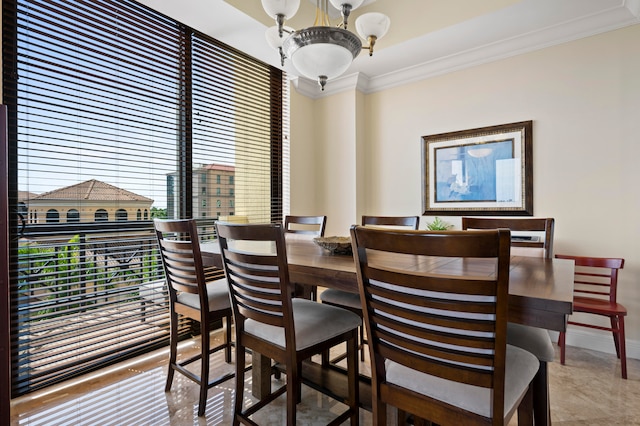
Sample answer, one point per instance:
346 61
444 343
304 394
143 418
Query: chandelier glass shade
322 52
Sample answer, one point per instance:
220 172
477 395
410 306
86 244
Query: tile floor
586 391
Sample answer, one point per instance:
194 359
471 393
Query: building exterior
213 192
89 201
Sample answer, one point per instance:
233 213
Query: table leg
260 375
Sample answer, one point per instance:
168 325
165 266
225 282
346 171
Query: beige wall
584 100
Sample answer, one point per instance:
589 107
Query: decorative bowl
335 245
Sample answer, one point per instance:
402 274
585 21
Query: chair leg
204 368
540 386
561 343
293 392
227 339
173 348
525 409
361 345
353 377
379 413
623 349
616 335
240 363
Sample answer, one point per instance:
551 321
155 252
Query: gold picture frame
483 171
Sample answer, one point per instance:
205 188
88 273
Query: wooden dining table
540 290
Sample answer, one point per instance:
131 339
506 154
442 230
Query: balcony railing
85 295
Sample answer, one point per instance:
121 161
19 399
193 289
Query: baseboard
597 341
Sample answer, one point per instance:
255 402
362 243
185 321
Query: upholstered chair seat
532 339
520 368
217 292
307 314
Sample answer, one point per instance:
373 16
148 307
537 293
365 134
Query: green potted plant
438 225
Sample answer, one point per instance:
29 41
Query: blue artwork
472 172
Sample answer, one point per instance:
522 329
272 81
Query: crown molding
627 14
311 89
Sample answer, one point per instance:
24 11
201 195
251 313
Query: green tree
158 213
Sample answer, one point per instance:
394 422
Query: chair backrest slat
411 222
544 226
450 325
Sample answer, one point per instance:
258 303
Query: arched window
53 216
139 215
146 214
121 214
73 216
101 215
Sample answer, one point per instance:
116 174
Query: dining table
540 289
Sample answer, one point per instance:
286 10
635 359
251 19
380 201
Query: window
203 178
53 216
139 215
218 191
101 215
218 179
231 203
101 95
73 216
231 192
218 203
231 180
121 214
204 203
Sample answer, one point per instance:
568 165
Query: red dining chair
595 292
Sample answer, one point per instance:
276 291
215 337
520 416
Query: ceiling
426 38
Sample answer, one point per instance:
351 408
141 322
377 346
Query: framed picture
485 171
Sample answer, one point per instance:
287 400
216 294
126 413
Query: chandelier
323 51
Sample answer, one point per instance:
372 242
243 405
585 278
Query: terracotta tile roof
26 195
220 167
91 190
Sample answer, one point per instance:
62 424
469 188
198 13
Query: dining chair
308 225
312 226
270 322
437 341
351 301
595 292
195 292
537 242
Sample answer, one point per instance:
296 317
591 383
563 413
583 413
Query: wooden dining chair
272 323
351 301
312 226
535 239
438 340
409 222
308 225
195 292
595 292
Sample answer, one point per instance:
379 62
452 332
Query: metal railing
85 295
